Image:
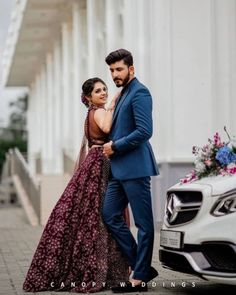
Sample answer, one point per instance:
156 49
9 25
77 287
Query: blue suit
132 164
131 130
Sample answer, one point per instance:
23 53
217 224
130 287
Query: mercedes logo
173 206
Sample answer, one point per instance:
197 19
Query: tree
17 120
15 134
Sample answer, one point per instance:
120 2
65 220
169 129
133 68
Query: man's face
121 73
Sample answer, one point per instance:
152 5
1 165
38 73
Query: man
132 164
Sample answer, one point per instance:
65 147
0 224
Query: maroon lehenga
76 253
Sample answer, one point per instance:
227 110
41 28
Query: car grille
221 256
212 258
182 206
175 261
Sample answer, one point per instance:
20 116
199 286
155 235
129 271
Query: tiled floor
18 241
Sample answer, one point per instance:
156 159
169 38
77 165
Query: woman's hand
114 100
103 117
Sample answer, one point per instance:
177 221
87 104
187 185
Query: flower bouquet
214 158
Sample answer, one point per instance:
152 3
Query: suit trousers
137 193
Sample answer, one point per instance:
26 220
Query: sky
6 94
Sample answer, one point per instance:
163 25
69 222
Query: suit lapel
119 104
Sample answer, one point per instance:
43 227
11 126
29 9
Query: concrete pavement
18 241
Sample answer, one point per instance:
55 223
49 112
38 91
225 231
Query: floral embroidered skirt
76 253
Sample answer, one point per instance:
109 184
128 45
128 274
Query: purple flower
217 140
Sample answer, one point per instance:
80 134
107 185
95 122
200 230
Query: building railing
31 185
6 189
38 163
6 168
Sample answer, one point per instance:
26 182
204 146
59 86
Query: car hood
219 184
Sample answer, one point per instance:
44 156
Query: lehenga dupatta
83 152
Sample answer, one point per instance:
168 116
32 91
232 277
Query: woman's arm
104 117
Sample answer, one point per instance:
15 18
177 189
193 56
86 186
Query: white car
198 235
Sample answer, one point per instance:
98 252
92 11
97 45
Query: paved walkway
18 241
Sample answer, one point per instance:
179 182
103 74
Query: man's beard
124 82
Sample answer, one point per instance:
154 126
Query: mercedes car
198 235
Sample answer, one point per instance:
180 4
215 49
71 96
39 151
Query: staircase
37 194
8 194
18 187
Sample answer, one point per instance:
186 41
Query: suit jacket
130 131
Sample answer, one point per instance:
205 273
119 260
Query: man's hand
107 150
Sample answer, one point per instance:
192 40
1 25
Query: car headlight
224 206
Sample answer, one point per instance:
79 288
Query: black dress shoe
152 274
128 288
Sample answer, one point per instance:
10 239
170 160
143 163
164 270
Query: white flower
197 160
200 167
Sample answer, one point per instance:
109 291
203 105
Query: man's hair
120 54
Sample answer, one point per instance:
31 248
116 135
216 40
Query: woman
76 253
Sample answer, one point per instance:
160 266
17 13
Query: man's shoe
129 288
152 274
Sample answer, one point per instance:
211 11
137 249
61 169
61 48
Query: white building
184 51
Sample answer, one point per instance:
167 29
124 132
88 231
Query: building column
57 110
143 41
114 36
223 64
50 115
130 25
41 117
66 88
160 78
38 118
96 38
32 128
91 39
44 149
77 43
114 25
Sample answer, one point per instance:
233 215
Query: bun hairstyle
87 89
84 100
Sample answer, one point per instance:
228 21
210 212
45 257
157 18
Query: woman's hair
87 89
120 54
